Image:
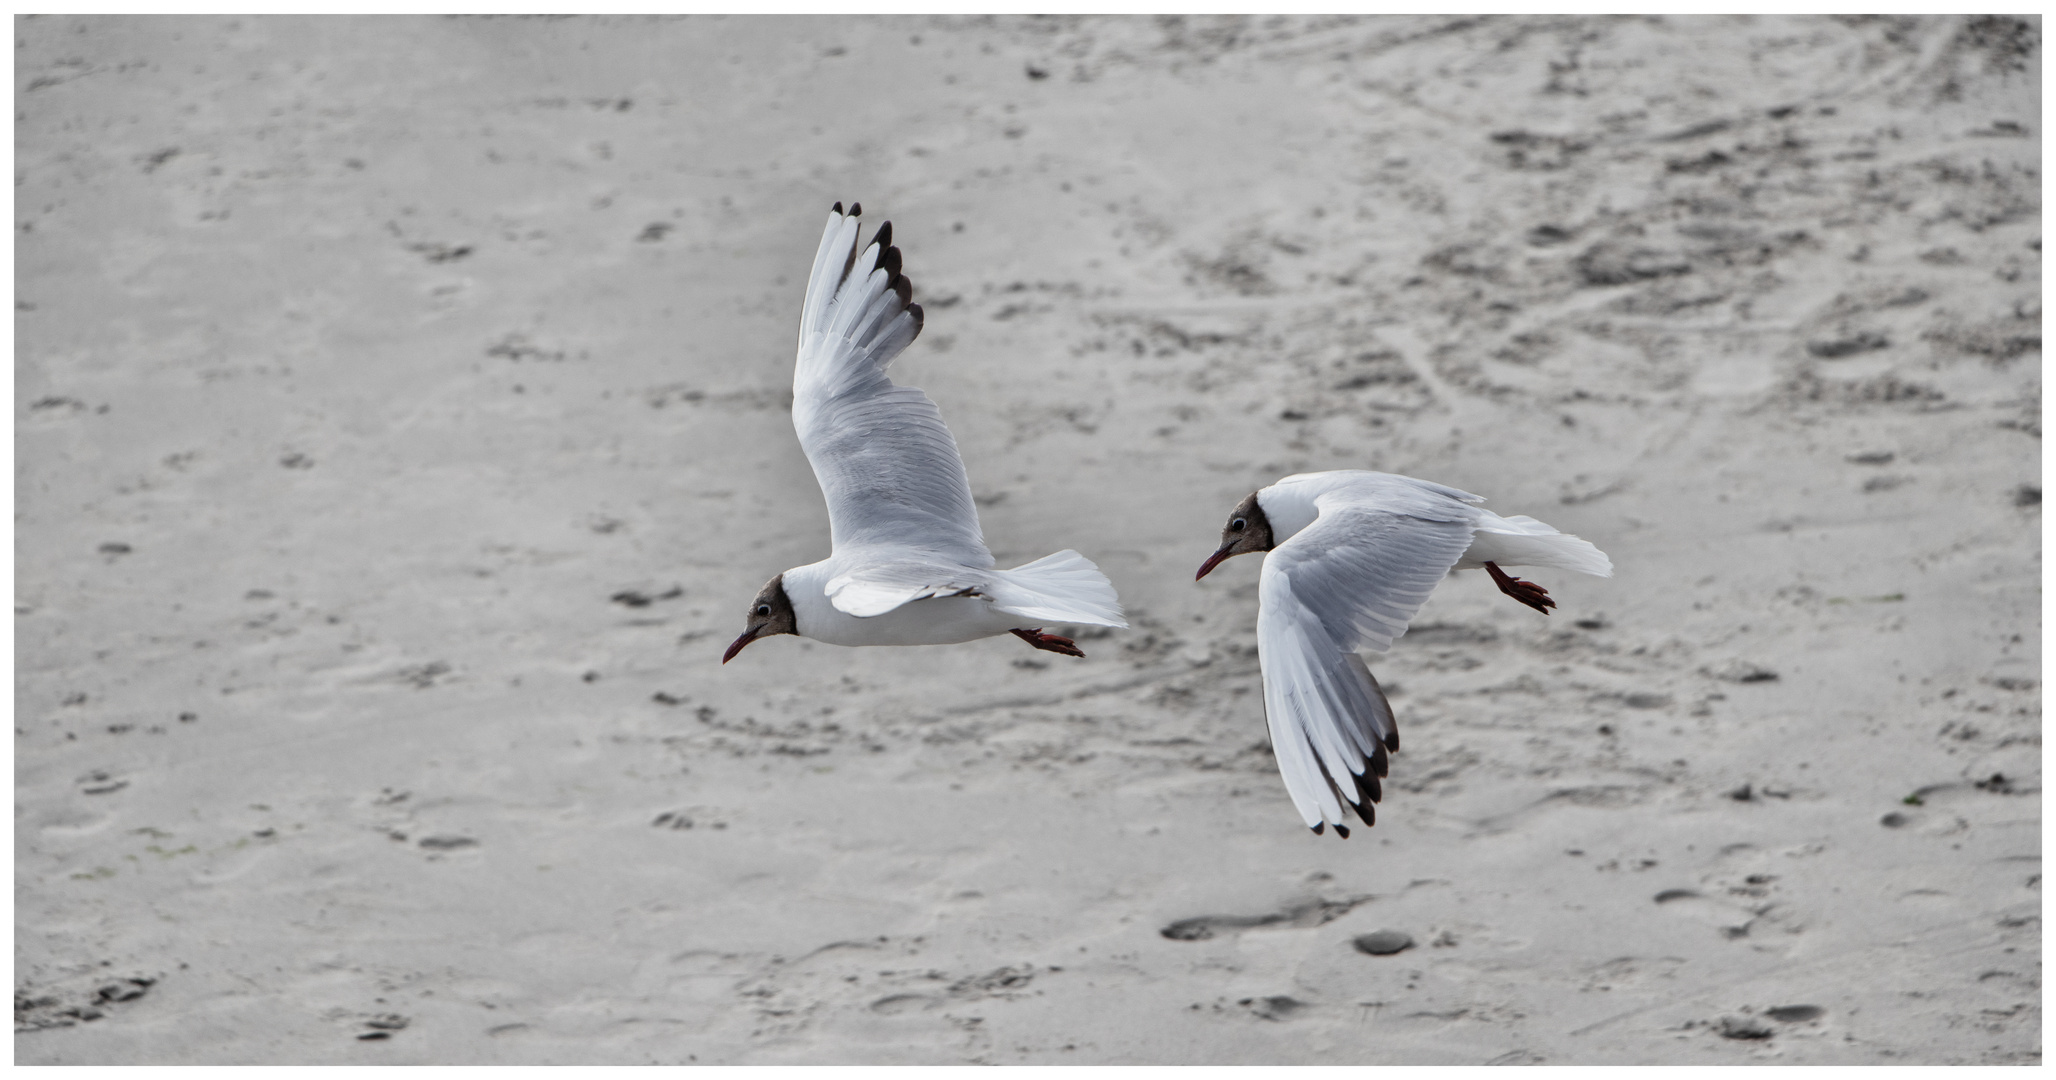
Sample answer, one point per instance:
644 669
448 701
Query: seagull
909 564
1353 556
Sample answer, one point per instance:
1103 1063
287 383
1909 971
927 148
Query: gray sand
401 430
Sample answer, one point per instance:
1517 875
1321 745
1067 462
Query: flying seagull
1353 555
909 564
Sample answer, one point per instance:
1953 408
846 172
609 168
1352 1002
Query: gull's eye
763 609
1237 525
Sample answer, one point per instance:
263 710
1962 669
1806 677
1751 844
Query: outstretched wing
887 466
1353 579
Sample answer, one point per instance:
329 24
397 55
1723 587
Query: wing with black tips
1352 579
886 463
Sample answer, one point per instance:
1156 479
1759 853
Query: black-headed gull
1353 555
909 564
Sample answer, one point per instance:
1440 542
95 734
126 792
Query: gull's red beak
1212 561
736 646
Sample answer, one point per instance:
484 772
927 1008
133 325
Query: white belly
939 621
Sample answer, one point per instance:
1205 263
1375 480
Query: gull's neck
1289 507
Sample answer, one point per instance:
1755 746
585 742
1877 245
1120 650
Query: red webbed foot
1527 592
1048 642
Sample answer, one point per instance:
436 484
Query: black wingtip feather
915 311
1342 831
856 209
1367 812
1392 744
904 288
1367 787
838 207
884 236
1321 828
889 260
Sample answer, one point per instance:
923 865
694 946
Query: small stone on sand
1383 942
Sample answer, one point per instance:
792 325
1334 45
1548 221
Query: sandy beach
402 427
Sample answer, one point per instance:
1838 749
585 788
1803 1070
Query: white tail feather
1523 541
1064 587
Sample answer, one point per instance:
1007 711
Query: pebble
1383 942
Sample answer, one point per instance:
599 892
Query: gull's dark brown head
1247 530
770 613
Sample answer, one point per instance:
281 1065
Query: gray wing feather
886 463
1363 573
1353 579
879 586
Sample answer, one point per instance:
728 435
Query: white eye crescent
1237 525
763 609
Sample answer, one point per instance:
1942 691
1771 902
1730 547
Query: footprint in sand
382 1027
1750 1028
1006 982
1304 914
1732 920
101 782
1275 1007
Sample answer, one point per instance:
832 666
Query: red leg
1527 592
1048 642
